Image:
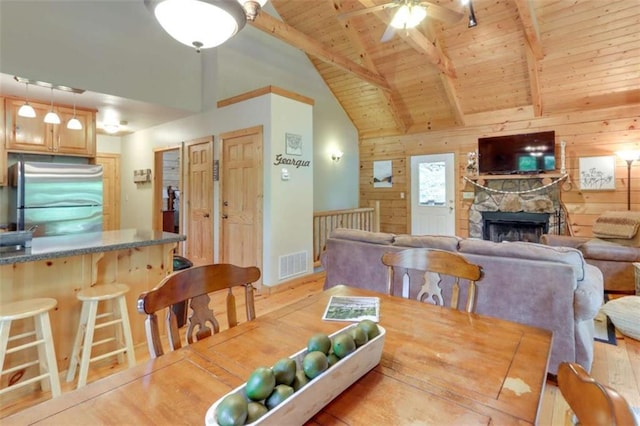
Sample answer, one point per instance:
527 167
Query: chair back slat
231 309
435 263
194 286
591 402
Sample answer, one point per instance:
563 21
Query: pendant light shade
199 23
27 110
52 117
74 123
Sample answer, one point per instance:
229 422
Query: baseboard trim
291 284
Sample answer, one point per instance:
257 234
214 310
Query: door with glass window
432 195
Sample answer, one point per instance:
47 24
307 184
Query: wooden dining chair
592 403
194 285
435 263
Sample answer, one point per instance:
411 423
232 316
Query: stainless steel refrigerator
55 198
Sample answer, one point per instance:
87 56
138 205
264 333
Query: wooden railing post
365 218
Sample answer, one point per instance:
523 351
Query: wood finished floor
616 366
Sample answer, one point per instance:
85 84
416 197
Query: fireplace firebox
514 226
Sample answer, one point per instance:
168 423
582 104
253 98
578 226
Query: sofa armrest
589 294
562 240
608 251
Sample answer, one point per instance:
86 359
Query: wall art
382 174
293 144
597 173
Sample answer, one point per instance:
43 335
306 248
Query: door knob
206 215
225 203
224 216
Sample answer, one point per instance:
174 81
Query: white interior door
432 195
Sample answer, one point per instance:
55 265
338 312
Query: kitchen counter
61 266
43 248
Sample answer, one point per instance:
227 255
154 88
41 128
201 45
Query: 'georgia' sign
291 162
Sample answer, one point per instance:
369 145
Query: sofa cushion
364 236
441 242
625 315
531 251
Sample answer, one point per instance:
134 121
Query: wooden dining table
439 366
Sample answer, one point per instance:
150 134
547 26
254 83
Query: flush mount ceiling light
52 117
74 123
27 110
408 16
199 23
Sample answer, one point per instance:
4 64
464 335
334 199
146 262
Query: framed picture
293 144
597 173
382 174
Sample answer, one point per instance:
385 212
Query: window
432 184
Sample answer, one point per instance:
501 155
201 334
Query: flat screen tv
526 153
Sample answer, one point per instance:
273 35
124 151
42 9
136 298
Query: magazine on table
345 308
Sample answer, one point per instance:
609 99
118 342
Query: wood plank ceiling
535 57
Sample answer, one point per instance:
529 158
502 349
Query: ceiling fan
409 14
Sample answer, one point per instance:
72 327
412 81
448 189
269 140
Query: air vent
293 264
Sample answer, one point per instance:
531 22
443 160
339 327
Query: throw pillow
618 226
625 315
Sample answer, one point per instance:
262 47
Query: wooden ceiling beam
299 40
530 23
363 54
448 83
422 44
533 50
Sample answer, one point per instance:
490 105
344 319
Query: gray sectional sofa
534 284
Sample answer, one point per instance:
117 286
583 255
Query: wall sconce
336 156
629 156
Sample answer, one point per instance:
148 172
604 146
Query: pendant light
74 123
199 23
52 117
27 110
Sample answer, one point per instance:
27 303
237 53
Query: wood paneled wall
586 133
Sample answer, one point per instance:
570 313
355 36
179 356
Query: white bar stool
90 298
38 309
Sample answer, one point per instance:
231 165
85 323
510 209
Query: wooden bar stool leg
77 343
88 343
114 307
126 329
48 353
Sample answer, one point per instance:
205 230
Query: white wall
108 144
112 47
288 212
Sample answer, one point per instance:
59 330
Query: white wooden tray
306 402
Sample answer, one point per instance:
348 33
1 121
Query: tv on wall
513 154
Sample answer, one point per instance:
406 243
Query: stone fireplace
515 209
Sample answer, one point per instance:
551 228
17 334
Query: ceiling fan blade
442 13
371 9
388 34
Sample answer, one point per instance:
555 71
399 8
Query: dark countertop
43 248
